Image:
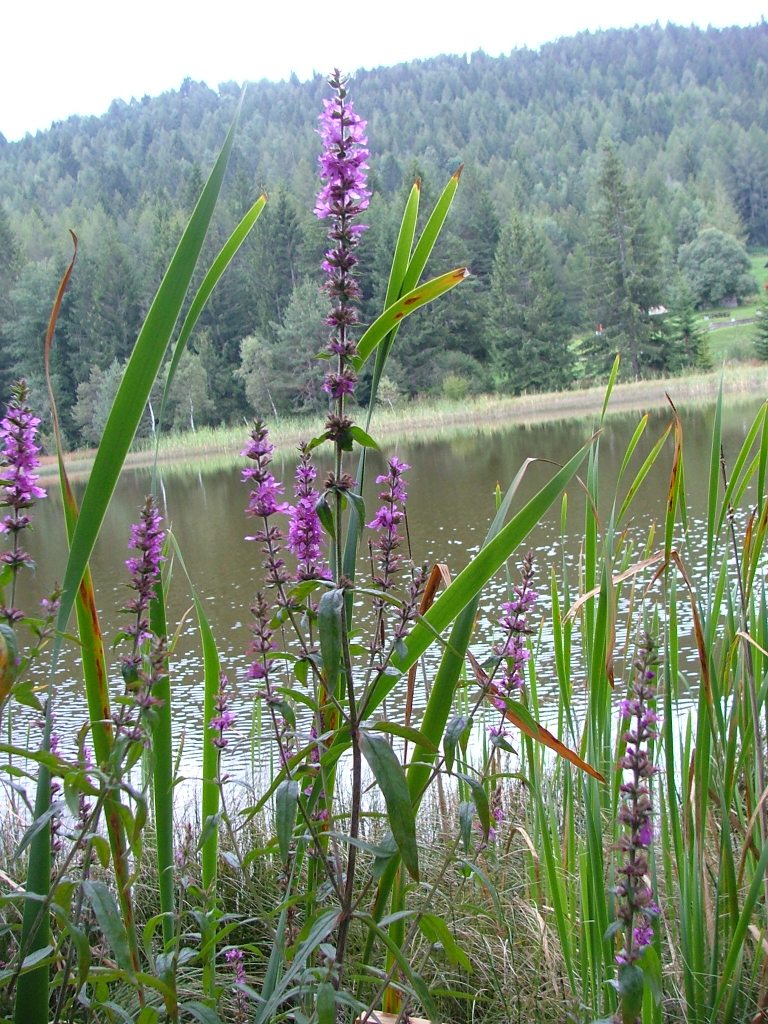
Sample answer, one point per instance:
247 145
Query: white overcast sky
61 58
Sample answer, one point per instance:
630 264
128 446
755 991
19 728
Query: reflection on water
451 502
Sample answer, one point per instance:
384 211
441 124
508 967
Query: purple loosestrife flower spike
636 906
263 503
147 538
343 196
387 522
304 531
224 718
19 489
512 651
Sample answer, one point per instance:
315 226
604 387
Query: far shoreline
429 419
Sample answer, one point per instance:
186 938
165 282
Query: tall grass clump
472 864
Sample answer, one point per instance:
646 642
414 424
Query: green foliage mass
717 267
683 110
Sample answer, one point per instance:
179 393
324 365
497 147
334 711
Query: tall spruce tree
527 325
623 275
761 330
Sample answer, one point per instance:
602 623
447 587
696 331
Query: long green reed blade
395 289
488 561
209 808
736 948
714 481
430 234
609 388
162 773
676 491
642 473
404 276
211 279
739 476
139 376
402 256
411 301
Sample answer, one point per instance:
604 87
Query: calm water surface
451 502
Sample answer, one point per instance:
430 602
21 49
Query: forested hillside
652 142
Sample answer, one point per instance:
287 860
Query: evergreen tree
685 336
527 324
761 330
623 286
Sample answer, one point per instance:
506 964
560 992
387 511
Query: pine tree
761 330
527 325
623 284
685 336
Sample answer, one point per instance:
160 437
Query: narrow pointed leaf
411 301
329 611
211 279
390 779
286 808
135 387
110 922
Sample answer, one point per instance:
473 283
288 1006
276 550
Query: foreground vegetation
473 863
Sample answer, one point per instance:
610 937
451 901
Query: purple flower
304 531
512 651
223 718
343 196
263 503
636 907
18 481
343 162
387 522
147 537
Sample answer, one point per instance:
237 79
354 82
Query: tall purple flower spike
343 197
637 907
304 530
19 489
387 521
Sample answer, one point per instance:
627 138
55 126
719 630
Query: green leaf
211 279
357 503
329 611
430 234
453 732
326 1003
631 983
9 656
651 966
488 561
110 922
202 1013
325 516
435 930
405 732
390 779
466 816
412 300
363 439
480 800
286 809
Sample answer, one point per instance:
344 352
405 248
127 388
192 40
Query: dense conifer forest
601 173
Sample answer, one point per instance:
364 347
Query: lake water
451 502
